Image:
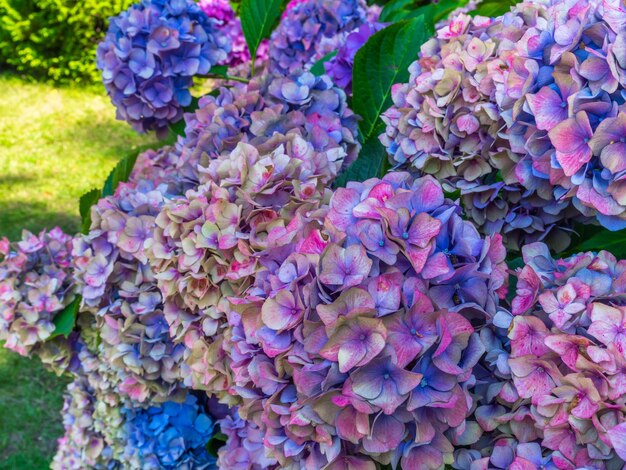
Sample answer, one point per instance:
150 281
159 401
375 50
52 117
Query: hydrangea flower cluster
119 288
302 103
562 100
244 448
568 355
230 25
169 436
150 55
211 244
446 122
292 134
106 430
311 29
339 68
82 445
356 347
35 286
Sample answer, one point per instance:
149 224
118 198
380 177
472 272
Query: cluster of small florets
562 99
568 355
312 29
244 448
229 24
210 245
339 68
261 153
253 113
446 122
106 430
168 436
82 445
35 286
357 347
522 114
150 55
119 288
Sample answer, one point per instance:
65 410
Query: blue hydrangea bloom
171 435
149 56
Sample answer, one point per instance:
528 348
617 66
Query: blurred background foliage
54 40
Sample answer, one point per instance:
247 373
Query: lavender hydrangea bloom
35 286
169 436
310 30
150 55
567 357
228 24
446 122
244 448
561 100
356 347
119 288
339 68
252 113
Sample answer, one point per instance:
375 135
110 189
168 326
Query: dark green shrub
54 39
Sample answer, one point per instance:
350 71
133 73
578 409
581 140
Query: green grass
55 145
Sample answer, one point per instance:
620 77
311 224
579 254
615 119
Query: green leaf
65 320
382 62
372 162
86 201
493 8
216 442
119 174
258 18
513 265
219 70
615 242
318 67
398 10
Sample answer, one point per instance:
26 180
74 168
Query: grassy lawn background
55 145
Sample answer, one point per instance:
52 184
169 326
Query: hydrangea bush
266 292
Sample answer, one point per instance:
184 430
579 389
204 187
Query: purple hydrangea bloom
210 244
339 68
341 353
310 30
150 55
35 286
561 99
228 24
291 134
521 114
252 113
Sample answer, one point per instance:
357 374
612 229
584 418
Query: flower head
150 55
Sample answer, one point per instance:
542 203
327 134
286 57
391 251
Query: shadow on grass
11 180
33 216
120 139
